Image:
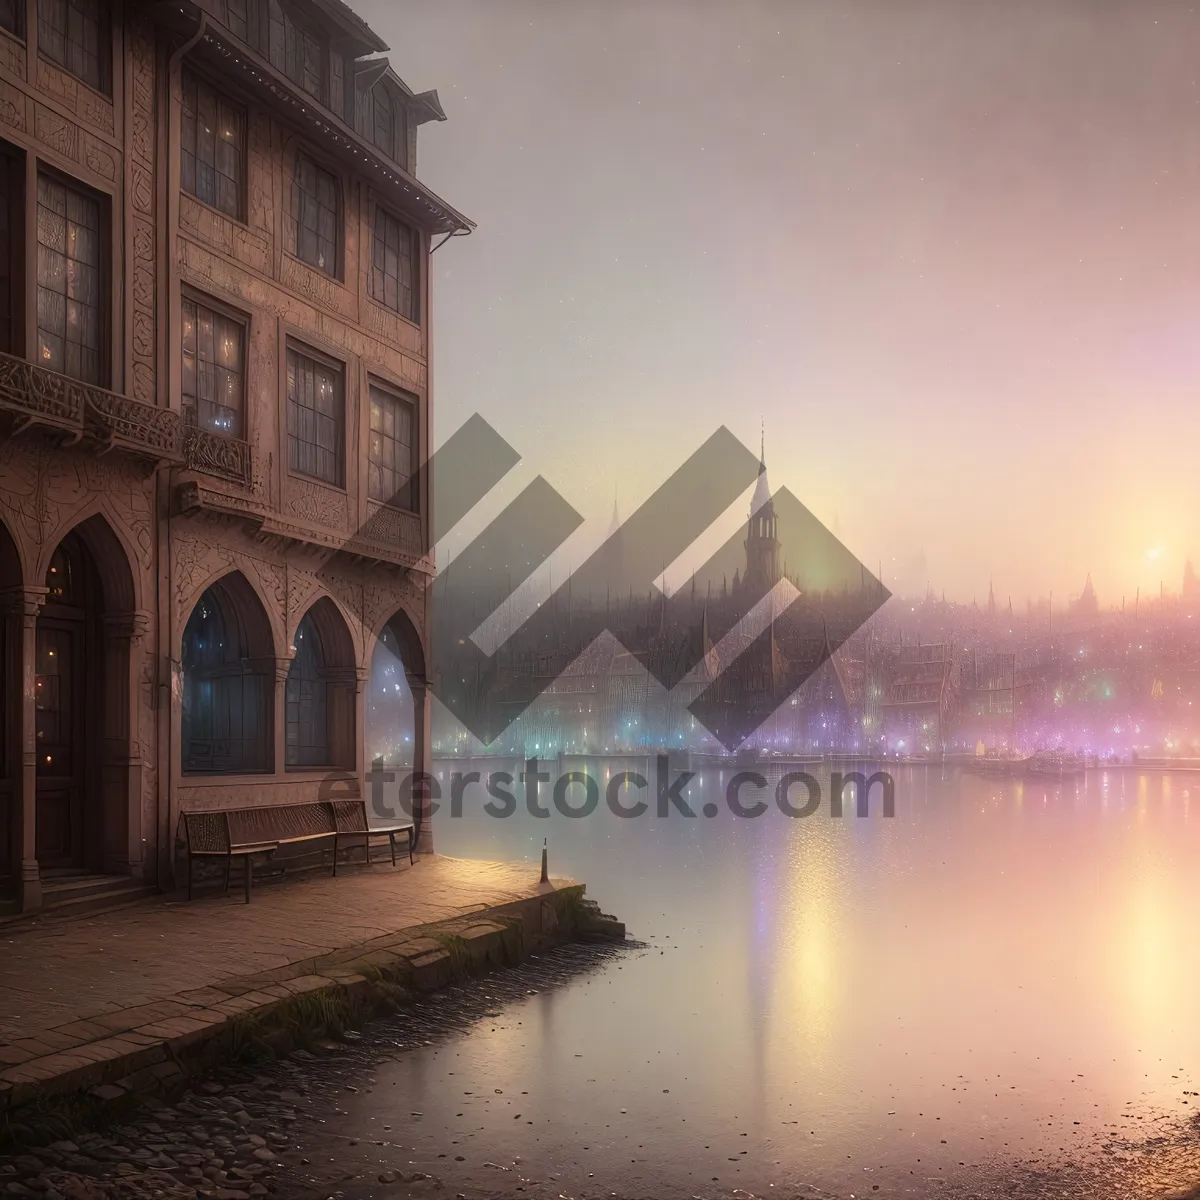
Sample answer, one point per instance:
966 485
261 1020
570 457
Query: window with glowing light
316 417
69 280
212 138
392 449
214 376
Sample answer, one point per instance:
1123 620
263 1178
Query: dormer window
233 14
299 52
384 124
380 117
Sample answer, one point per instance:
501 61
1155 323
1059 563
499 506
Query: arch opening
10 701
320 692
228 683
82 705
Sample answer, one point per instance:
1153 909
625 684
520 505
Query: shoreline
85 1052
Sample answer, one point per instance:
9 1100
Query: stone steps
83 895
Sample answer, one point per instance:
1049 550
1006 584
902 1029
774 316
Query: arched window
382 125
391 725
320 692
307 701
226 712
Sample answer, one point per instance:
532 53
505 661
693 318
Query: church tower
762 544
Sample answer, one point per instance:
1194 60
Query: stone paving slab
137 985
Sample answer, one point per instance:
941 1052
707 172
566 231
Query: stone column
422 761
362 676
22 606
279 715
121 767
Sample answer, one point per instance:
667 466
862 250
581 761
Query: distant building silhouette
762 541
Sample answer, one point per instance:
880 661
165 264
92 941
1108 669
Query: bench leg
189 869
335 842
228 865
249 877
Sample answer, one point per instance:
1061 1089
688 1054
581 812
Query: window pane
315 215
11 237
392 278
303 54
213 369
74 34
382 132
68 287
391 449
11 14
316 418
225 711
212 154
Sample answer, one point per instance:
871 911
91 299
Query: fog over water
1002 972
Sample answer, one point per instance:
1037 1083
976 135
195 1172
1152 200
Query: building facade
215 395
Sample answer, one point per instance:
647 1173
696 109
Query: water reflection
1001 967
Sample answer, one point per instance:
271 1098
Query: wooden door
60 725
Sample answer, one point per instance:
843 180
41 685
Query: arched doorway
391 724
228 683
66 702
320 692
395 733
82 694
10 704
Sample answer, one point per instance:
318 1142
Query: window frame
231 102
381 210
293 215
243 321
104 270
303 349
18 29
231 680
399 396
104 56
309 711
17 249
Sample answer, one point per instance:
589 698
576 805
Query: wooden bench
245 832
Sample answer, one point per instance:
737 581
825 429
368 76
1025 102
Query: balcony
212 454
82 412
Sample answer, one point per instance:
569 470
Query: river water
1001 977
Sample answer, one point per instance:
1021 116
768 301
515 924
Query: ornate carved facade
214 397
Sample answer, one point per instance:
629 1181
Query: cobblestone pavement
54 972
118 987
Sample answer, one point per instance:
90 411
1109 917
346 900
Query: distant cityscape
919 678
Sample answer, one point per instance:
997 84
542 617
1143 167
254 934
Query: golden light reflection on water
808 961
1033 937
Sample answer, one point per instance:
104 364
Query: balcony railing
213 454
86 413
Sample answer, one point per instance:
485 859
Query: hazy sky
949 252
